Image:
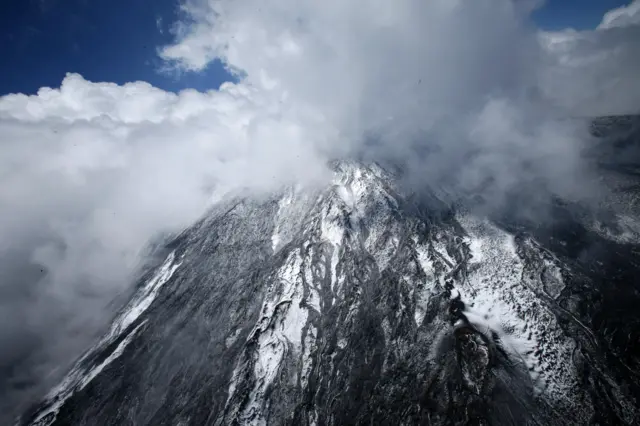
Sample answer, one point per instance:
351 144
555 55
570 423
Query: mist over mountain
410 211
360 302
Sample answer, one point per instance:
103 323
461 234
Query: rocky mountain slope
360 303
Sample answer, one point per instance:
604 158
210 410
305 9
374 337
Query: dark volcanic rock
359 304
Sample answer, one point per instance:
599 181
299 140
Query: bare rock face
361 304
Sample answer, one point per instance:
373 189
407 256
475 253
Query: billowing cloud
366 65
464 93
91 172
594 72
107 166
622 17
413 76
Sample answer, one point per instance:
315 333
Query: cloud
622 17
91 172
104 167
413 76
595 72
357 53
465 94
159 24
359 63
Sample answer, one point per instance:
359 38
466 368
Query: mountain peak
348 304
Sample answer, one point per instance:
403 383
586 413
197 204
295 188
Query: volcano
362 302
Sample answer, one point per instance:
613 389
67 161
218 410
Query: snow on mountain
351 304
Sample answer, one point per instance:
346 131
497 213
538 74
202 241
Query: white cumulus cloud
594 72
623 16
91 172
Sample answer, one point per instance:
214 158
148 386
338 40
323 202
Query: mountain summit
360 303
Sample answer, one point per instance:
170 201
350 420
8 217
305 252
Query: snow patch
347 196
229 341
475 249
441 249
307 362
334 266
383 251
625 230
145 296
331 231
279 330
422 292
77 380
293 322
284 202
553 280
498 300
116 354
80 376
313 300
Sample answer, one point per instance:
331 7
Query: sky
117 41
119 123
112 41
556 15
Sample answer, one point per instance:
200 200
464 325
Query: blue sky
577 14
116 40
